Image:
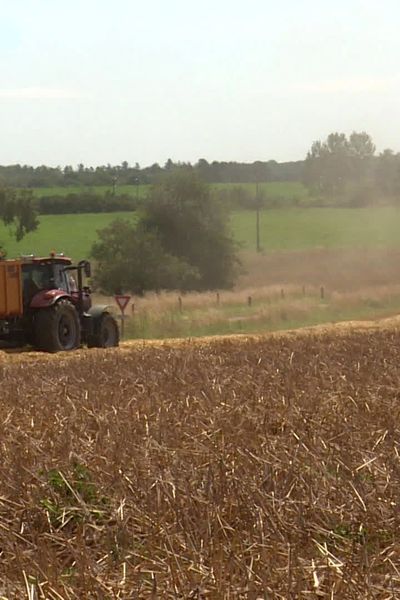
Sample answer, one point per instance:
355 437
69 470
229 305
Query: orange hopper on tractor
44 303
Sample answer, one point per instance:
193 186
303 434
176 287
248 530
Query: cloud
350 86
41 93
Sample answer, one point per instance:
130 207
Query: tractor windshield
42 276
37 277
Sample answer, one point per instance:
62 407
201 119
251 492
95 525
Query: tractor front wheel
57 328
106 332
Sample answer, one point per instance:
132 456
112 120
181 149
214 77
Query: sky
97 82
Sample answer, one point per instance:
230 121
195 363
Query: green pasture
71 234
305 228
280 229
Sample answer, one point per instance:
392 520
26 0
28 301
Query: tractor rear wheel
106 332
57 328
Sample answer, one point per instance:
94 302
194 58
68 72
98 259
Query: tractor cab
43 274
55 273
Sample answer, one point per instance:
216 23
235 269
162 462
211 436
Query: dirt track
389 323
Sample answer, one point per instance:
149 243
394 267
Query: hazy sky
98 81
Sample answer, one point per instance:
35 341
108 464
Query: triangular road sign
122 301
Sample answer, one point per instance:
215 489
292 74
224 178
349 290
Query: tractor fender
92 318
98 310
46 298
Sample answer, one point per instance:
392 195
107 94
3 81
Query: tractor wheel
106 332
57 328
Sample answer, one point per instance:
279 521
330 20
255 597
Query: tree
327 165
387 173
130 258
361 145
169 165
182 241
18 211
331 166
191 225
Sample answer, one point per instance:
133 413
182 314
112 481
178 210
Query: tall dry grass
172 314
167 301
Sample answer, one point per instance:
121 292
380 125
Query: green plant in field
368 537
73 499
55 480
69 574
344 530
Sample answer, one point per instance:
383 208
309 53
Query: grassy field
226 470
288 229
71 234
297 228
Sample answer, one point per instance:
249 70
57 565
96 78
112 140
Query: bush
192 226
130 258
181 242
85 202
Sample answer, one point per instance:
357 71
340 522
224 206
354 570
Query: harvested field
222 469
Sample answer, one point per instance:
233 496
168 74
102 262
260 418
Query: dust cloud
338 269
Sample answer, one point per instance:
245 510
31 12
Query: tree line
25 176
84 202
346 171
340 170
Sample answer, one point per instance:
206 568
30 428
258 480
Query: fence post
218 299
322 292
304 290
282 293
249 301
180 304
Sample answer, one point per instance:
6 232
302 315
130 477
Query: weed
75 499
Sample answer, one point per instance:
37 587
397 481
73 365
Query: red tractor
44 303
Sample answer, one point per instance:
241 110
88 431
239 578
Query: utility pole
257 220
137 183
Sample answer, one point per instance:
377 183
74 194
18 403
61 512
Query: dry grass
265 468
164 302
171 314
